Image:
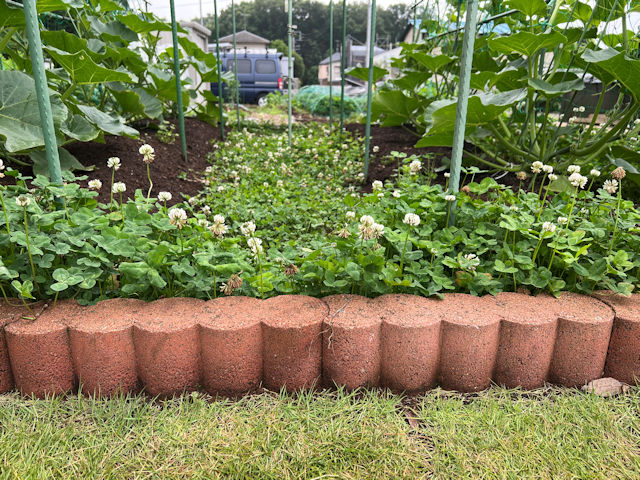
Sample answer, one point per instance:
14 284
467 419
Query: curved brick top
627 308
10 313
408 310
108 315
294 311
523 308
464 309
170 314
581 308
53 318
349 311
231 313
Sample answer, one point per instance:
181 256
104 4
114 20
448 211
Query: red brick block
167 346
231 345
410 343
39 351
102 346
527 338
582 340
351 342
623 358
469 348
292 340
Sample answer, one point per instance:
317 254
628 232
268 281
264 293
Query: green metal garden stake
235 64
463 100
219 65
290 68
331 64
367 141
176 71
42 91
342 63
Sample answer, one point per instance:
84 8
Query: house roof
355 50
245 37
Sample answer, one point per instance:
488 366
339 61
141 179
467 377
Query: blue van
259 74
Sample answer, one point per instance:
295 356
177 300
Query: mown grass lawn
551 433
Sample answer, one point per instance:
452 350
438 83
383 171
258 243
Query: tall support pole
235 65
342 63
331 64
367 141
176 71
42 91
463 100
290 67
219 65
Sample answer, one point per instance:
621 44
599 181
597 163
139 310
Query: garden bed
234 345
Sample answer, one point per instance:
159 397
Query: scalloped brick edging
233 345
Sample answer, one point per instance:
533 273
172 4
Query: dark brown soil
167 171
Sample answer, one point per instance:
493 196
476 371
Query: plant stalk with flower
114 164
618 174
148 156
412 220
24 201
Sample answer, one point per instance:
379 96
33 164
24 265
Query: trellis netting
315 99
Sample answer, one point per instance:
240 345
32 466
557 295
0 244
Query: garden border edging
232 345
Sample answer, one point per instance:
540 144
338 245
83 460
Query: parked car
259 74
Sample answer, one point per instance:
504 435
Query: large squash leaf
83 70
107 123
526 43
616 65
392 107
67 162
20 124
14 17
440 116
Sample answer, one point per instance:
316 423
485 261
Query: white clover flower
581 109
377 185
573 169
220 188
206 209
119 187
553 177
95 184
562 220
203 222
610 186
165 196
434 251
378 230
192 200
376 149
265 184
577 180
619 173
218 228
595 172
513 208
381 195
450 198
367 220
521 175
344 232
473 261
147 152
113 162
177 217
411 219
548 227
248 228
1 165
396 194
547 168
279 183
536 167
23 201
415 167
447 174
255 244
209 169
350 215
